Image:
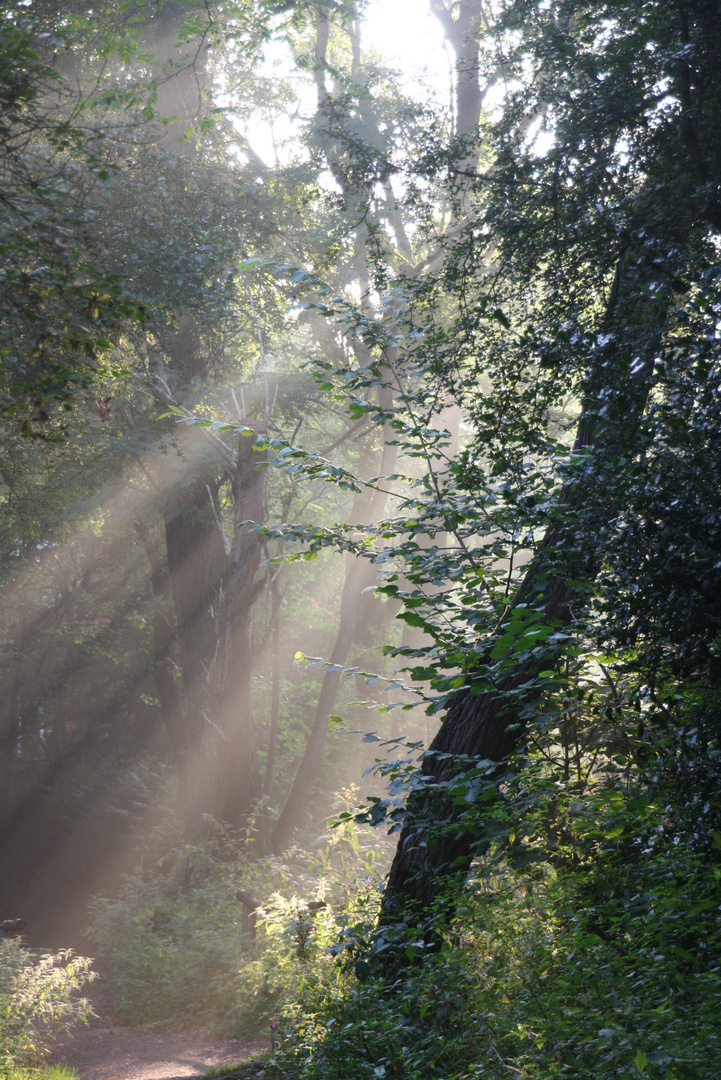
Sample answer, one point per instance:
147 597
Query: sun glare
406 33
403 33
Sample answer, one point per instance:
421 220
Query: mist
151 681
360 558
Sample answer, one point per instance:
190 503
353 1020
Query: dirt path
105 1049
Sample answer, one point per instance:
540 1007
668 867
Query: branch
342 438
226 541
444 16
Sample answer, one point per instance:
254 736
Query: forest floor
52 897
107 1049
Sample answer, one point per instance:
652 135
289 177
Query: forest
360 531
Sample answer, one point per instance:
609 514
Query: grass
40 1072
244 1070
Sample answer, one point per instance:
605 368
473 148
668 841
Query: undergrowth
43 1072
597 962
38 1000
175 944
610 973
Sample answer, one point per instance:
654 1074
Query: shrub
173 940
38 996
557 978
585 947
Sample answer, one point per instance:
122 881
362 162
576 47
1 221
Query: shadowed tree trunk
196 562
276 602
10 732
54 766
171 704
214 591
435 850
239 785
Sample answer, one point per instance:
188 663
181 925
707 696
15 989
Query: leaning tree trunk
435 849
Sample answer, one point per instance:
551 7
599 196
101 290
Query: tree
175 219
611 280
567 286
61 309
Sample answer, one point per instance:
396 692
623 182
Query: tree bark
171 704
435 850
276 601
196 562
463 33
239 785
10 733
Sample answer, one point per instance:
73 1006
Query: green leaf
640 1061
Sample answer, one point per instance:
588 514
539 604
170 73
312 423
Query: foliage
176 943
586 943
38 998
534 327
44 1072
543 978
60 307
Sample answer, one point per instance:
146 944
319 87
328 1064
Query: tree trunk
463 33
10 733
196 561
239 787
171 705
435 851
276 601
54 748
360 575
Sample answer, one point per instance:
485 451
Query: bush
560 977
38 997
586 947
174 944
